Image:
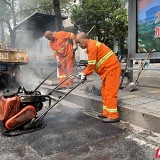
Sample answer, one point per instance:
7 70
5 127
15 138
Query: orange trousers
109 91
67 69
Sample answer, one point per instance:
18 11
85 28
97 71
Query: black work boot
109 120
101 116
61 88
70 87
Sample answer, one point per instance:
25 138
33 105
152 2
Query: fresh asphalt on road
72 133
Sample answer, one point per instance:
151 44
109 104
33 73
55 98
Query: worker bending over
61 46
105 63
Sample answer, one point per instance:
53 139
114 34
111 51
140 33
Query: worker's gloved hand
58 64
82 76
75 47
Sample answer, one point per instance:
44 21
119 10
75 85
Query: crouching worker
61 46
106 65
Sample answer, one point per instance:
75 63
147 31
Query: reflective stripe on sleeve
56 51
92 62
61 48
103 59
98 44
71 35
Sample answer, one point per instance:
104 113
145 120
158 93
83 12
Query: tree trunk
13 13
13 39
58 18
2 32
12 31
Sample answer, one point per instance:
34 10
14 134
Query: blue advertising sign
148 27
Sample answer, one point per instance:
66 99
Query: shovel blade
132 86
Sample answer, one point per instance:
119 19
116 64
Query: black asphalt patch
71 135
68 130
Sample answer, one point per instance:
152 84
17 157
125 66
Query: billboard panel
148 25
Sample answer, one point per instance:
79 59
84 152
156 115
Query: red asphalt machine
18 111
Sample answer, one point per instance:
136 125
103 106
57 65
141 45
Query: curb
138 117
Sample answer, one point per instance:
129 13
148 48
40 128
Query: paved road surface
74 133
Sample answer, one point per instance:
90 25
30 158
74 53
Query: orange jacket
62 45
100 58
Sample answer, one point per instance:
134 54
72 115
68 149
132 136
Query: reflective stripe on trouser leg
62 72
105 113
70 81
70 68
111 92
62 78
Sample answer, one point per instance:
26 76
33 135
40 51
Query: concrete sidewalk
140 107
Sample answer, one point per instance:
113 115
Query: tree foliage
8 10
14 11
4 10
28 7
110 18
45 6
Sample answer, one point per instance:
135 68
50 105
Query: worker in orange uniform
61 46
105 63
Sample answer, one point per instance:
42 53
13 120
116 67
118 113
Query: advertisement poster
148 27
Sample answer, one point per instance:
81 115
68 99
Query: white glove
82 76
75 47
79 74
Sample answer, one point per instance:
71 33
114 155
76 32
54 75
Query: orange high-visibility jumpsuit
105 63
62 47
